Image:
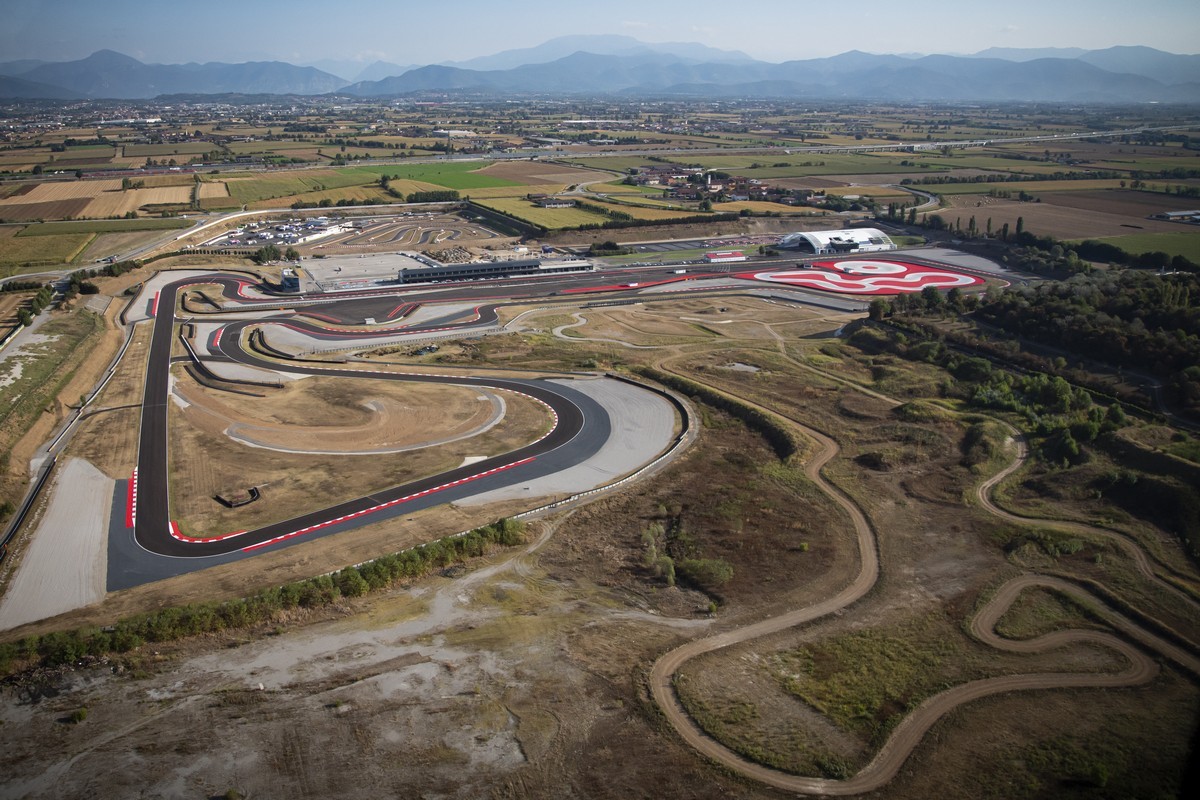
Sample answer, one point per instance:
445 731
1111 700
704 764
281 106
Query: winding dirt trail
909 732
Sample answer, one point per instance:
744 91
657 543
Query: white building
850 240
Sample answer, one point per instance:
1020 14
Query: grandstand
850 240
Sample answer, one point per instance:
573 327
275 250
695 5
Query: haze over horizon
307 32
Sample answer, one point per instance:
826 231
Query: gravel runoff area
643 424
65 565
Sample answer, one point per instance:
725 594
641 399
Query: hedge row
66 647
779 436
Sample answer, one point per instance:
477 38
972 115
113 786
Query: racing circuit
155 546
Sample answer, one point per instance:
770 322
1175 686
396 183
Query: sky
424 32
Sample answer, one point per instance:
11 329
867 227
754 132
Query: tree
266 254
933 298
1020 225
879 309
291 254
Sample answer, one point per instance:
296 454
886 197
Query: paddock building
849 240
518 268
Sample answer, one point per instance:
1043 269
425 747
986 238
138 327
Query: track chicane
866 277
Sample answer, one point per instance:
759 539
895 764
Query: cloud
629 23
1010 29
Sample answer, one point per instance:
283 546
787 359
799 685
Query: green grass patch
105 226
172 149
548 217
1039 611
46 250
1184 243
866 681
452 175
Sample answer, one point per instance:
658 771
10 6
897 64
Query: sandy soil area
65 564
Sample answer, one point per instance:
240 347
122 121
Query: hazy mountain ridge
630 67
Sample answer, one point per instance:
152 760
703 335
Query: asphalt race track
153 528
154 548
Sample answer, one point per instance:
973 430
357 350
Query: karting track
155 532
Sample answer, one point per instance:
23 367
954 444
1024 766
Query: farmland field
116 204
761 207
211 189
513 191
41 250
536 172
168 150
265 187
1184 243
1046 219
1133 203
370 192
52 209
644 211
549 217
103 226
1032 187
451 175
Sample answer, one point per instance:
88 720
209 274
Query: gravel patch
65 565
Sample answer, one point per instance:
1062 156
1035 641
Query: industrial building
492 269
850 240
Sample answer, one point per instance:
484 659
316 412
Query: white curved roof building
850 240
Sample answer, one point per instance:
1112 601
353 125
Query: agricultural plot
118 203
212 189
760 207
615 163
1032 187
264 187
372 193
547 217
104 226
1045 219
513 191
450 175
536 172
1132 203
167 150
1184 243
645 211
34 251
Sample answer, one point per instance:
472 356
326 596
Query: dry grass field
42 250
120 203
549 217
212 189
206 462
1049 219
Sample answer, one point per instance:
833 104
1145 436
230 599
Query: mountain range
621 65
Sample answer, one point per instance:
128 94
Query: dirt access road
908 734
